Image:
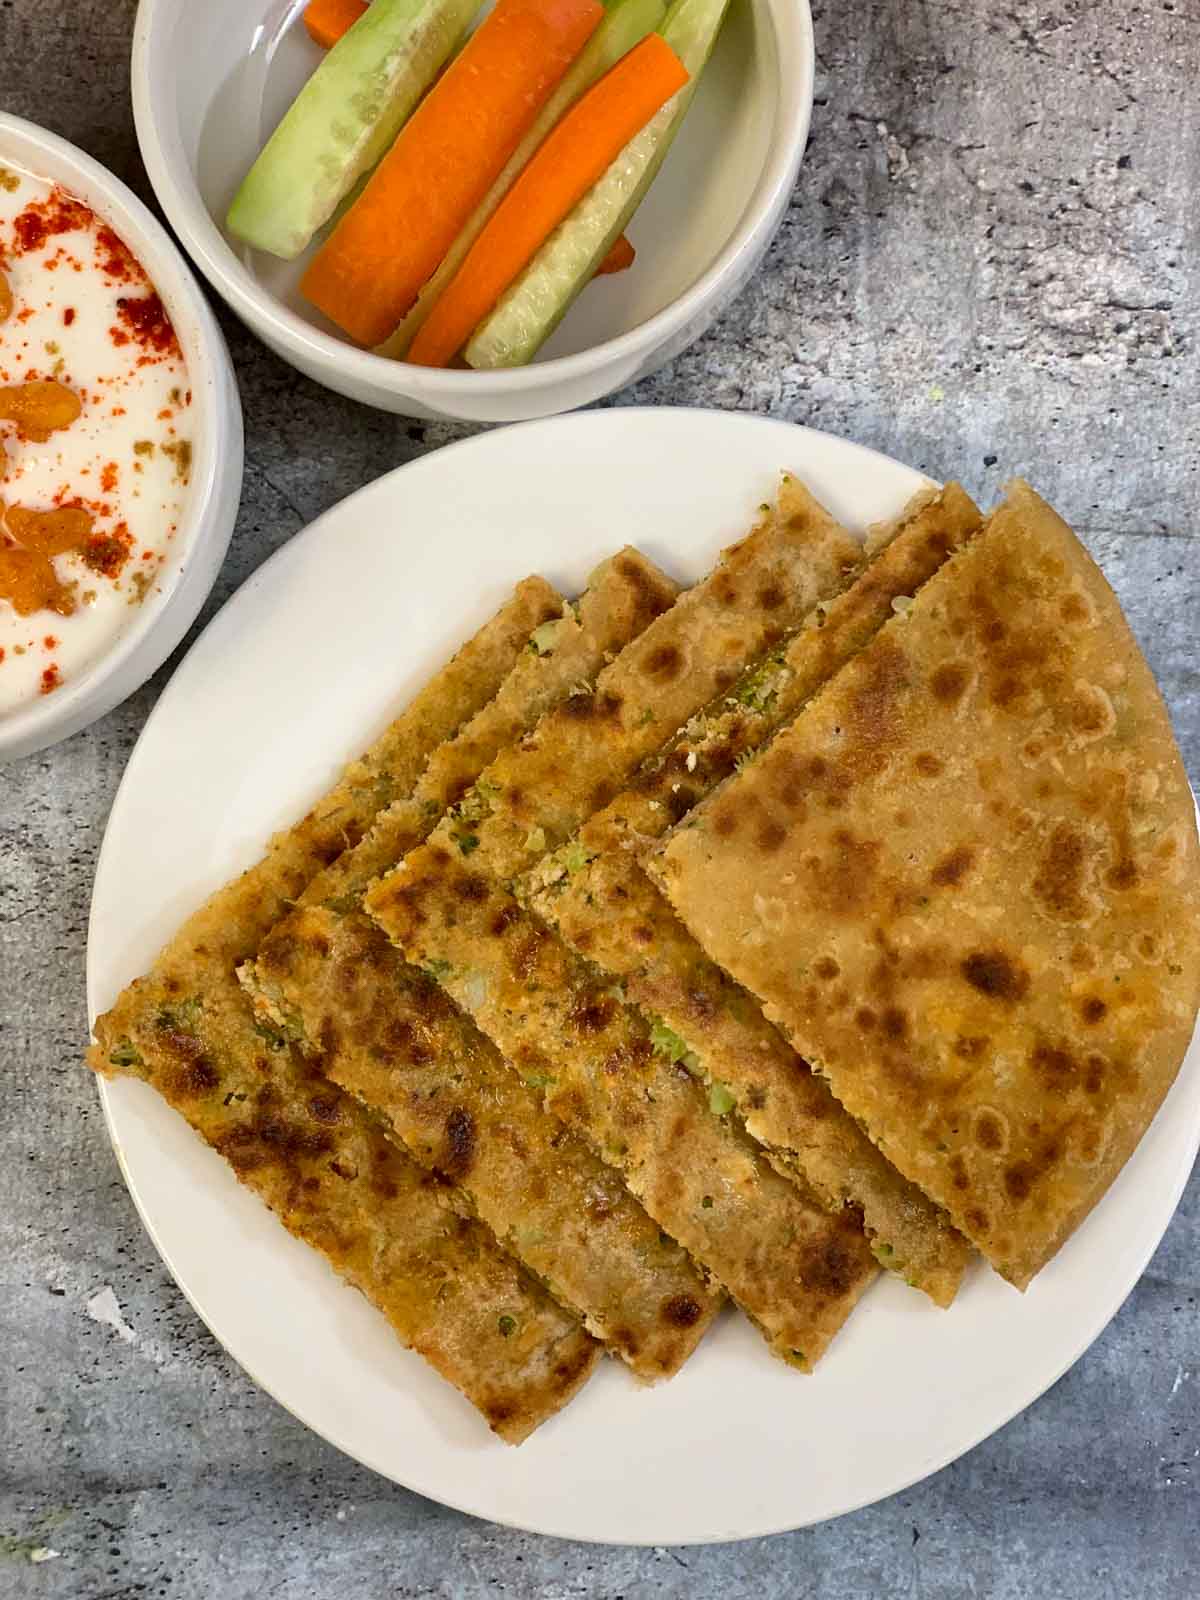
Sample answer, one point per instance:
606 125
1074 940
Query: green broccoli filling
720 1101
667 1042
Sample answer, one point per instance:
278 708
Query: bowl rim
78 701
202 236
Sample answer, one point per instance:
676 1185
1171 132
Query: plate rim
1104 1313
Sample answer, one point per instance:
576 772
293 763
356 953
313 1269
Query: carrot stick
371 268
328 20
583 146
619 259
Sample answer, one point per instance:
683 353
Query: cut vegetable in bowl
626 23
367 275
536 302
575 155
619 259
328 20
463 213
344 119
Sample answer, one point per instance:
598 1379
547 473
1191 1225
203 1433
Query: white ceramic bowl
216 478
210 81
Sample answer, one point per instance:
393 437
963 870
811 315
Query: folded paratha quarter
965 883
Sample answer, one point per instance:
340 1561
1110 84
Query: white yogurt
85 314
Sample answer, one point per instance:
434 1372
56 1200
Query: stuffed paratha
964 882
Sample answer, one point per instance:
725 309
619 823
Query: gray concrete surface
991 262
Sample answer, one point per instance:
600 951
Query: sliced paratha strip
537 792
965 883
795 1268
385 1033
606 906
310 1152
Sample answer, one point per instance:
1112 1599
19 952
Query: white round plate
297 674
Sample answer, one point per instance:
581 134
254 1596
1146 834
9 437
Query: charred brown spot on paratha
681 1311
270 1137
526 954
948 683
326 1108
1020 1177
826 968
1123 874
996 974
653 598
990 1131
725 591
771 836
1091 712
833 1266
927 764
471 887
1059 884
1092 1010
192 1076
460 1143
568 1368
771 596
278 953
953 867
592 1012
1074 609
664 663
399 1034
725 822
893 1024
1056 1065
843 883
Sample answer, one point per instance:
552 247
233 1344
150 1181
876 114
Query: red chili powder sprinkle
59 214
117 260
108 477
68 316
50 642
1 653
50 678
147 322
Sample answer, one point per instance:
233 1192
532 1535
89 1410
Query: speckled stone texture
991 263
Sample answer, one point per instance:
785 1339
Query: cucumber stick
344 120
626 23
534 304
